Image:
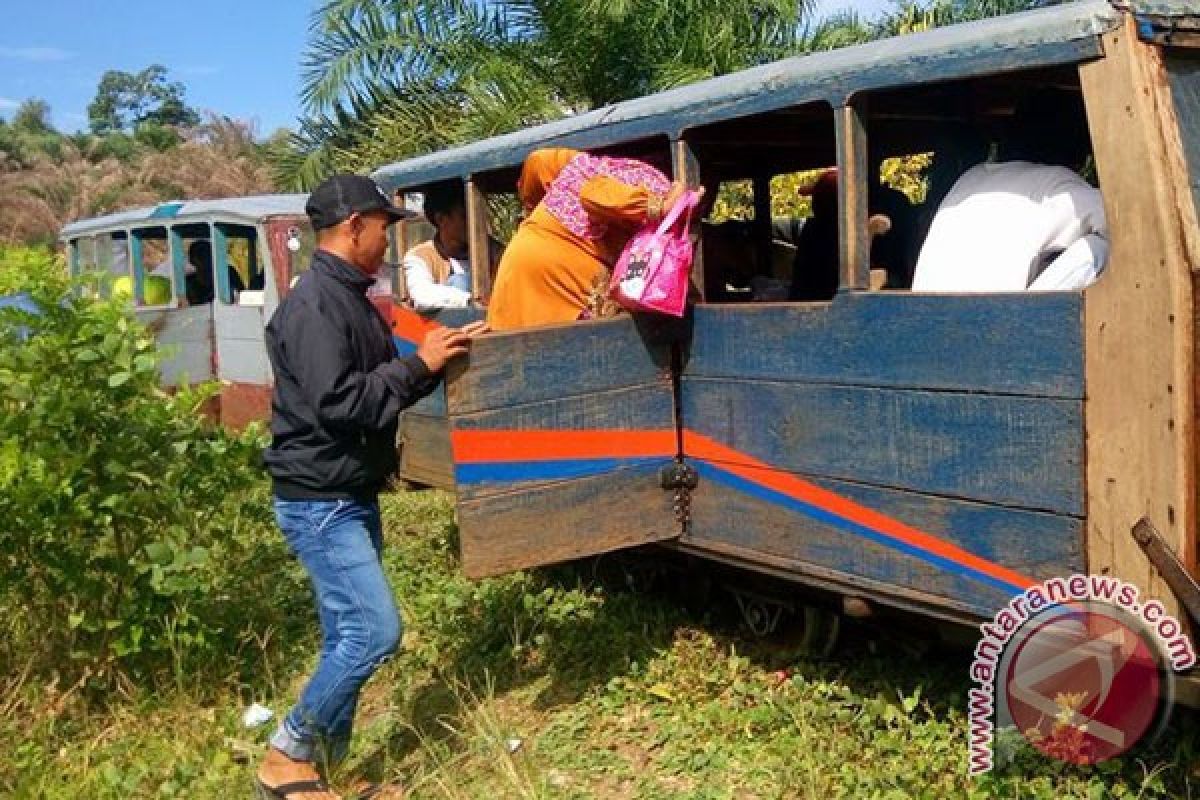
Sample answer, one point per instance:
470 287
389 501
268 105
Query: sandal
285 790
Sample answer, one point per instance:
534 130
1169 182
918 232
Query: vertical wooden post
133 244
73 257
763 223
854 243
687 170
178 260
398 237
477 240
220 250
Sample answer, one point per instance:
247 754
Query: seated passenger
438 271
1026 222
730 261
815 271
582 210
200 288
200 281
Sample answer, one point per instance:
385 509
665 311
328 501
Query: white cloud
36 53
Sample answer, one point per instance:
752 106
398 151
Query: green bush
135 537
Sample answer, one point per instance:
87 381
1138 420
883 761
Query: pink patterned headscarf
562 197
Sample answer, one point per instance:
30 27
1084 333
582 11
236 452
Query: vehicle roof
238 210
1056 35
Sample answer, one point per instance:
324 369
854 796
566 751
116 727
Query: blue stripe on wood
1016 451
403 346
560 469
760 521
517 368
823 516
1018 344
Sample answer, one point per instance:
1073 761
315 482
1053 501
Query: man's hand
442 344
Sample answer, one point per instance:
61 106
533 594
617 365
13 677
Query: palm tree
388 79
393 78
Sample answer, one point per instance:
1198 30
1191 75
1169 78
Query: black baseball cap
342 195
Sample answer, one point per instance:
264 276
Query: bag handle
686 201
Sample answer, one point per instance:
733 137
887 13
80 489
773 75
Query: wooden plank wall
960 417
1140 337
579 382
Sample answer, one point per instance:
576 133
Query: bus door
560 436
183 334
239 324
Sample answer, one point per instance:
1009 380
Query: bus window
436 267
110 258
151 267
957 224
237 265
772 235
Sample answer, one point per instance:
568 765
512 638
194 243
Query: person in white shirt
1023 223
438 272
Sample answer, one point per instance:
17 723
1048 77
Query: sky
240 58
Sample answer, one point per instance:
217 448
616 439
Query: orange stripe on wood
472 447
411 326
698 446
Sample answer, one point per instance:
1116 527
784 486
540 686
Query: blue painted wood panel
1029 344
558 435
1037 544
1183 69
1010 450
509 369
563 521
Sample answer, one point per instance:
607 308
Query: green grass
543 685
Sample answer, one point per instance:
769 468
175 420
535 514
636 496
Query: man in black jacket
339 387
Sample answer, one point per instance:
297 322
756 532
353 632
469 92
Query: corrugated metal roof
1056 35
244 209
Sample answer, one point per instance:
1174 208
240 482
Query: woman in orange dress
582 210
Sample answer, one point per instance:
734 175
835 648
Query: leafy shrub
134 535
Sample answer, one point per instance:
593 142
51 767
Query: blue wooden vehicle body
936 453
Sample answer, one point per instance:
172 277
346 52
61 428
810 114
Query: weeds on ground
545 685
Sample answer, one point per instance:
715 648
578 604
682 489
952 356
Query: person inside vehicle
438 271
581 211
1026 221
200 288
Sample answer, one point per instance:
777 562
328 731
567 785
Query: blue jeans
339 542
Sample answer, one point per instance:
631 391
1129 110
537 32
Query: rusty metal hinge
682 478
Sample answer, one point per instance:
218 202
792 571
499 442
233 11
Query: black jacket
339 387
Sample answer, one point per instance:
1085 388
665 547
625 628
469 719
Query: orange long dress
548 272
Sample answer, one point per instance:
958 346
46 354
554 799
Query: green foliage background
130 527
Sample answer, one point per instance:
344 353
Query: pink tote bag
653 270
